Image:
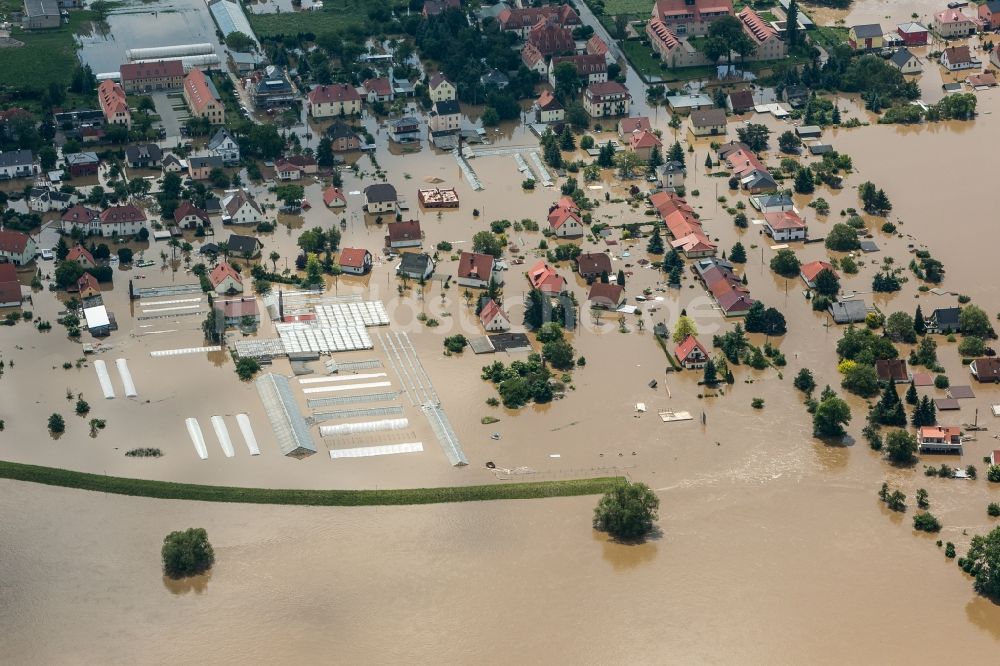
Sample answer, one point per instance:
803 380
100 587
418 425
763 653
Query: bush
627 512
785 263
949 550
757 403
993 509
455 343
82 407
941 382
246 368
993 474
187 553
926 522
56 424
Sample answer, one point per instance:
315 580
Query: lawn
648 65
828 36
47 56
615 7
336 16
52 476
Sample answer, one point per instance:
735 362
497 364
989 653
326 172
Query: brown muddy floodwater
773 547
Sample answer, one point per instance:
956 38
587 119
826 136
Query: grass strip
52 476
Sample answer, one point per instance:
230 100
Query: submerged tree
627 511
187 553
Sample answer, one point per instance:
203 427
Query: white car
48 255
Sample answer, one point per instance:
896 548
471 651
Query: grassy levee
117 485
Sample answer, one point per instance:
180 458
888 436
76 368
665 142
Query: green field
828 36
615 7
47 56
65 478
336 16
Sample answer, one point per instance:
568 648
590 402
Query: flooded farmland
773 547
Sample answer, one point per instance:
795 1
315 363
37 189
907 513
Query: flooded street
773 546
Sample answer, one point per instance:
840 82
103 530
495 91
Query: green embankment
52 476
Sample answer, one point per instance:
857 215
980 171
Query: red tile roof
566 209
637 124
198 90
759 29
332 194
379 86
608 295
544 277
127 213
221 272
673 8
688 345
78 251
657 30
475 266
550 37
13 242
352 257
337 92
79 214
404 231
596 45
187 208
10 288
239 307
813 268
491 310
605 89
593 263
87 281
112 98
548 102
643 140
785 219
131 71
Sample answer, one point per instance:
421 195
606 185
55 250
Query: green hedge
52 476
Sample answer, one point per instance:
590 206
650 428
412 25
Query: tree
971 346
568 84
247 367
889 410
738 254
924 414
100 9
725 37
683 328
559 353
900 447
900 327
926 522
274 256
676 153
911 394
606 156
125 255
47 157
710 378
535 309
785 263
919 325
789 142
56 424
324 153
861 380
827 282
830 417
627 511
67 273
922 502
842 238
655 245
566 140
627 161
804 183
982 562
974 321
804 381
455 343
187 553
486 242
578 117
754 136
621 278
62 249
792 23
925 354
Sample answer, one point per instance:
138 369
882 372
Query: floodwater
773 546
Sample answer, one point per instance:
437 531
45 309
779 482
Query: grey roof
820 149
41 7
948 316
221 135
868 30
901 57
708 117
380 193
287 422
143 152
993 5
339 130
82 158
411 262
845 312
205 161
775 200
673 167
245 245
208 248
446 107
16 158
494 77
758 178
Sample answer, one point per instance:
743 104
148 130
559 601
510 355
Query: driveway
171 118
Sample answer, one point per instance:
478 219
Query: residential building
438 197
606 99
82 256
337 99
270 88
493 318
914 34
989 14
770 45
404 234
605 296
224 146
534 59
564 218
239 312
865 37
523 20
189 216
740 101
445 117
225 280
405 129
690 17
202 98
809 271
41 14
16 248
543 277
98 321
144 77
343 137
173 164
114 104
952 23
892 370
10 288
240 208
643 144
120 221
494 78
285 170
628 126
773 203
688 102
476 270
852 311
986 369
730 294
939 439
47 199
955 58
88 220
380 198
435 7
906 62
200 166
417 266
440 88
82 164
590 68
670 176
355 261
548 109
785 226
334 197
673 51
597 46
308 164
87 286
796 95
592 265
691 354
143 156
378 90
944 320
708 122
246 247
682 225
